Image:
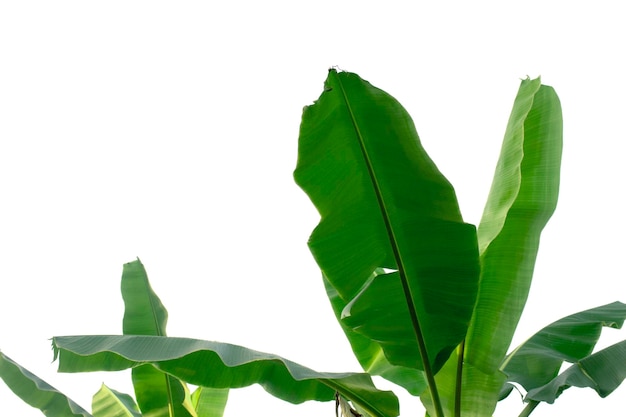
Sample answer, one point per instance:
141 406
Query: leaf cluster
426 300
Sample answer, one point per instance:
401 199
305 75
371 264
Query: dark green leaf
384 204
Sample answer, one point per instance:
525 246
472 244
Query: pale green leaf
523 197
209 402
110 403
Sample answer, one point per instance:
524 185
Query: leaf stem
459 380
430 376
529 408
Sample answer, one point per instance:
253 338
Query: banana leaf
36 392
602 371
144 313
384 204
209 402
538 360
158 394
110 403
522 199
220 365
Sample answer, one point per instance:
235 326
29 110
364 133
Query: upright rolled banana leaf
522 199
158 394
523 196
384 204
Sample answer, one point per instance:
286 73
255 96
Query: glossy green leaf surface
523 197
384 204
602 371
110 403
158 394
220 365
370 354
37 392
538 360
209 402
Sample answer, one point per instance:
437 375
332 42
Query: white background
168 131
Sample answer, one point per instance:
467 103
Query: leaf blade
210 402
144 313
384 204
602 371
110 403
370 354
523 197
220 365
538 360
36 392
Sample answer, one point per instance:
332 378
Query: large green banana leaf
158 394
538 360
220 365
110 403
602 371
370 353
384 204
37 392
523 197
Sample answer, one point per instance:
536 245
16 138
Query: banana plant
426 300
